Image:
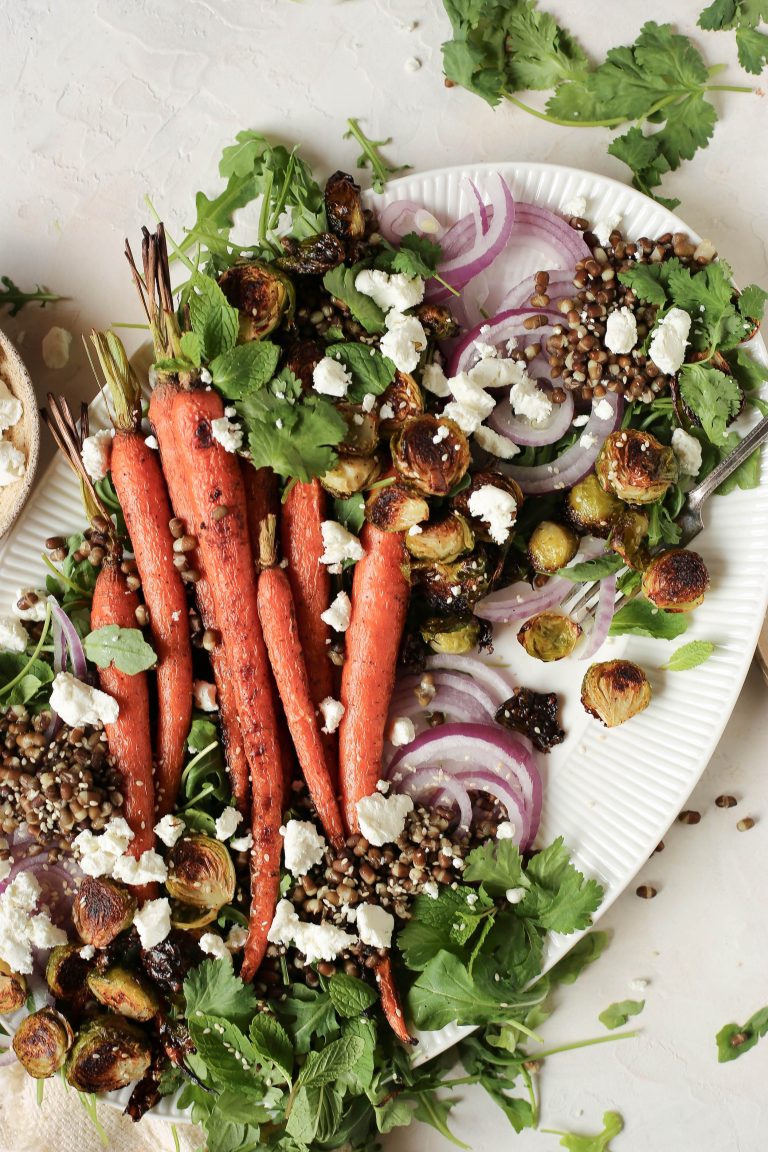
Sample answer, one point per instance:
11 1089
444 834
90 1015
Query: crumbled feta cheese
13 463
587 440
237 938
13 635
528 400
506 830
169 829
205 376
229 435
471 897
226 824
415 530
77 703
99 854
515 895
669 341
153 922
374 925
580 421
213 945
204 695
148 869
330 377
484 350
402 731
151 442
368 402
36 611
494 443
303 846
621 331
332 712
21 927
576 206
382 818
603 228
383 786
496 507
602 410
96 453
339 544
87 952
404 341
497 373
242 843
688 452
471 395
638 985
386 412
316 941
431 889
56 343
339 614
11 409
396 292
433 379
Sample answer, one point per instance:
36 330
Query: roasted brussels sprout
201 872
124 992
449 588
549 636
436 320
109 1053
677 580
460 501
350 474
66 971
311 257
362 436
101 910
262 295
188 916
629 537
42 1042
452 635
431 454
636 467
301 358
552 546
170 961
535 715
590 509
396 508
13 990
344 207
442 540
404 398
615 691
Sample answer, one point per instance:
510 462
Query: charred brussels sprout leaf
451 636
636 467
101 910
42 1041
535 715
201 872
405 399
629 538
431 454
313 256
124 992
549 636
109 1054
396 508
13 990
262 295
344 207
66 971
615 691
349 475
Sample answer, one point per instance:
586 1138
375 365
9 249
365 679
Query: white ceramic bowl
25 435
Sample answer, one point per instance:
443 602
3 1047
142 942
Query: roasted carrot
390 1000
218 499
278 621
302 546
379 604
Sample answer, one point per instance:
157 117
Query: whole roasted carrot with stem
380 591
140 487
278 620
303 513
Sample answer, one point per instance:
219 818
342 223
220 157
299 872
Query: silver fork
581 602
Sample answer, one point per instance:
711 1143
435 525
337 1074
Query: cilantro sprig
743 17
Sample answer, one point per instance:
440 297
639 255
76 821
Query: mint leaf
333 1061
616 1015
592 569
714 398
689 656
271 1042
125 648
735 1039
359 1076
191 347
370 371
244 368
641 618
214 321
212 989
497 866
227 1053
340 283
350 996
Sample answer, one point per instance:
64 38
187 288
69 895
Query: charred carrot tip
390 1001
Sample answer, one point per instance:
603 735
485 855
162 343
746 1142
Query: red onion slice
482 209
520 601
606 606
532 220
497 687
426 781
402 217
460 269
73 642
501 328
454 693
508 796
523 432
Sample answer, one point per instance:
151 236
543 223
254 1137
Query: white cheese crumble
169 829
87 952
204 695
303 846
368 402
576 206
77 703
688 452
13 635
485 351
621 331
669 341
56 344
396 292
497 373
382 818
153 922
330 377
213 945
515 895
242 843
603 228
11 409
495 443
506 830
374 925
148 869
21 927
339 614
36 612
151 442
386 412
402 731
99 854
415 530
587 440
229 435
13 463
471 404
580 421
404 341
528 400
496 507
237 937
431 889
316 941
338 545
602 410
205 376
226 824
332 712
434 380
96 453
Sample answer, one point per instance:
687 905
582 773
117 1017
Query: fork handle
726 467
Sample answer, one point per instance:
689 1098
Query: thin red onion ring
523 432
520 601
533 219
507 795
461 269
450 688
71 637
494 683
606 606
431 780
498 329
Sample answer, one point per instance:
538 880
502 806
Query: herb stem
64 579
727 88
532 1097
264 213
613 123
20 675
196 759
586 1044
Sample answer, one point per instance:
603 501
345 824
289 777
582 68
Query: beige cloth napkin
62 1125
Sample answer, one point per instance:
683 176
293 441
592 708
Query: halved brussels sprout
478 480
109 1053
451 636
66 971
344 207
124 992
549 636
552 546
42 1042
405 398
676 581
431 454
102 910
362 436
350 474
636 467
442 540
396 508
436 320
13 990
262 295
201 872
189 917
449 588
591 509
615 691
629 537
313 256
302 358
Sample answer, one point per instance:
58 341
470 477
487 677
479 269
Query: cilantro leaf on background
639 617
126 648
371 156
752 47
214 321
733 1040
743 16
714 398
689 656
340 283
370 371
751 302
573 1142
244 368
616 1015
212 989
592 569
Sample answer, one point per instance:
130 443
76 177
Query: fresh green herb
126 648
629 582
340 283
689 656
350 512
714 397
214 320
612 1125
370 371
13 297
22 677
640 618
205 787
744 16
350 997
244 368
735 1039
371 155
590 570
212 989
616 1015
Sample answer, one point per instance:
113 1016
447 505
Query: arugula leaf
573 1142
417 256
560 897
271 1042
214 321
434 1110
616 1015
370 371
350 996
212 989
583 953
689 656
15 298
125 648
36 675
371 155
244 368
641 618
394 1113
202 732
592 569
712 396
340 283
735 1039
749 373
